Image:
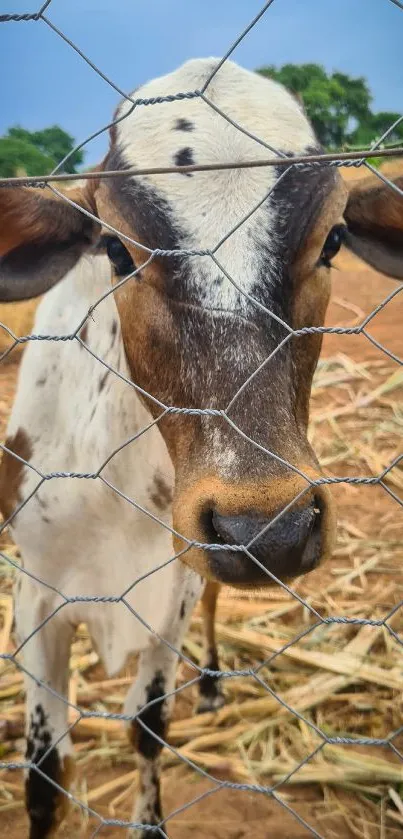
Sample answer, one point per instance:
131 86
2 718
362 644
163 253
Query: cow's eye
332 245
118 255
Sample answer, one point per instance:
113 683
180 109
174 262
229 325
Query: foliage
37 152
375 127
338 105
18 156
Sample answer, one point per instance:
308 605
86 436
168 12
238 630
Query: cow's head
196 326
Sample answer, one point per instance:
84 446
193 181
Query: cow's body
79 535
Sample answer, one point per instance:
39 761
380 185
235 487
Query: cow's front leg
211 696
46 672
149 701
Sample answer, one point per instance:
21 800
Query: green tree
17 156
37 152
372 129
335 103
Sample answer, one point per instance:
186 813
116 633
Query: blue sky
46 82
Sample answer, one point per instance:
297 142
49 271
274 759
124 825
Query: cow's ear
374 217
42 236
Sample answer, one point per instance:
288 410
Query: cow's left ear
42 236
374 217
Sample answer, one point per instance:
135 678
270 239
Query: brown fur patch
83 333
373 207
312 287
374 215
12 471
209 605
161 495
28 217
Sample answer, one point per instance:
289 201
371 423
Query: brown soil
225 814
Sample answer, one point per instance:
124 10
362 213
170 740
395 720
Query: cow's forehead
202 208
259 105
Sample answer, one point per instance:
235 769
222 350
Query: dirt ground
234 814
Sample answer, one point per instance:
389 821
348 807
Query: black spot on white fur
184 125
154 814
153 718
184 157
41 795
211 697
40 715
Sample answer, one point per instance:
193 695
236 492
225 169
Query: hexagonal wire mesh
356 159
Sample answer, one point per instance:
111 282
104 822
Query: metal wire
355 158
338 159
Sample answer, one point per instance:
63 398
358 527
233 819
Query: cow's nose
285 545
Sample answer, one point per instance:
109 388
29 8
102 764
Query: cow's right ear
42 237
374 216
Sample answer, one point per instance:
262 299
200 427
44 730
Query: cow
172 297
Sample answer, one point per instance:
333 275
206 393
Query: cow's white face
248 258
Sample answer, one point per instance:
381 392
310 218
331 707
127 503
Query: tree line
338 106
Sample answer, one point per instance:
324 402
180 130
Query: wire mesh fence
143 714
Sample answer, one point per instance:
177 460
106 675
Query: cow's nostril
237 530
212 532
286 544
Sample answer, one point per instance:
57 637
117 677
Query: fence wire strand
62 599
